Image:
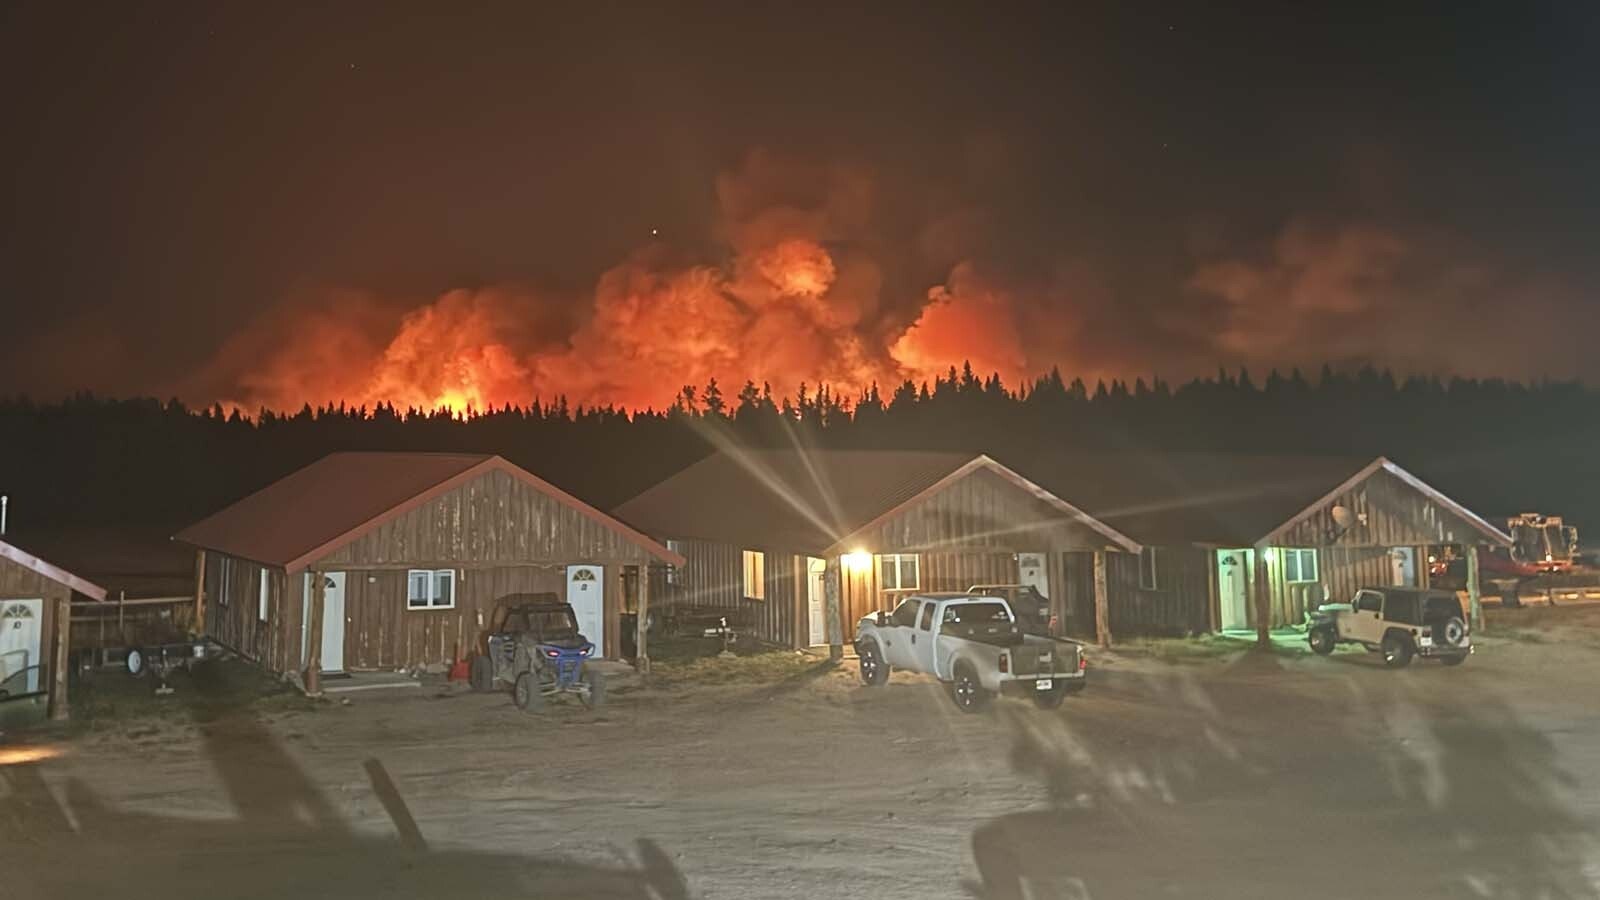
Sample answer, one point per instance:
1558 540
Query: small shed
763 530
386 561
35 625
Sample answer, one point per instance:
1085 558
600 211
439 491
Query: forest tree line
1501 446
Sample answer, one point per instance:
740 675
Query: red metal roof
314 511
28 561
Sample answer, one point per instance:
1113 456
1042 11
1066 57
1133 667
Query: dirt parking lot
1211 773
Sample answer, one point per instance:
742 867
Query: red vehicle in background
1542 546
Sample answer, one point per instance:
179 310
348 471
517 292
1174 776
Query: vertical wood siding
495 520
1179 604
21 583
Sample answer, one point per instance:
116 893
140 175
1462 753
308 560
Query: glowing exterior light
1270 554
856 561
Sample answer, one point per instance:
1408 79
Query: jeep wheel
1396 651
480 674
526 694
966 690
593 695
1322 640
874 671
1050 699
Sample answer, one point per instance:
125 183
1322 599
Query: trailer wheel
135 663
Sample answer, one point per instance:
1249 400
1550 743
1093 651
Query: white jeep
1399 622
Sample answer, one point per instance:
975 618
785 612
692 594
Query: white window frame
1300 555
431 601
672 571
1149 579
899 560
262 603
754 566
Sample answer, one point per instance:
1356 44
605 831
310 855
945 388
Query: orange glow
13 756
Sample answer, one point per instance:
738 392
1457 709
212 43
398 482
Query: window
905 615
672 571
1147 569
755 575
261 605
927 617
430 589
899 572
1299 565
1369 601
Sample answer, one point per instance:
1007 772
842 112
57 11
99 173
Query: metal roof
315 510
810 500
55 573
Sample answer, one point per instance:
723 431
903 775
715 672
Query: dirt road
1237 777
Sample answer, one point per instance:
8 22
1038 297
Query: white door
817 600
1031 570
586 593
20 645
1233 588
332 621
1405 566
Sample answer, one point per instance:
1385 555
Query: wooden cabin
35 625
390 561
761 531
1218 530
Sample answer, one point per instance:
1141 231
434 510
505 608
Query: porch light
1270 554
857 560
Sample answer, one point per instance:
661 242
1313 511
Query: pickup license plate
1043 684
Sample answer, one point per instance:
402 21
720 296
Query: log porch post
1102 602
313 672
200 592
1474 589
830 593
641 654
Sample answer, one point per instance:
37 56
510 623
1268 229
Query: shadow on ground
1368 789
287 840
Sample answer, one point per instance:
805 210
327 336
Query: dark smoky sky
1268 184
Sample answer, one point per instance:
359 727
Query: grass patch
679 661
109 700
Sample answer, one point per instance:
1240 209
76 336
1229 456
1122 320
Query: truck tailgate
1039 656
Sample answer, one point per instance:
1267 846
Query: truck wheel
967 690
593 695
1322 640
874 671
480 674
1050 699
526 694
1396 651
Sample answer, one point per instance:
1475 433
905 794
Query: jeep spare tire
1322 639
1396 650
1451 632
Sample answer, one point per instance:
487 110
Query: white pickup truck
973 644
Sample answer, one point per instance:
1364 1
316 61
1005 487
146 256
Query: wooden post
313 672
830 593
1102 604
1263 599
58 653
200 592
641 655
122 632
1474 590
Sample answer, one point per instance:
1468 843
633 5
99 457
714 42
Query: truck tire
526 694
1397 650
874 671
593 695
136 663
966 690
480 674
1322 639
